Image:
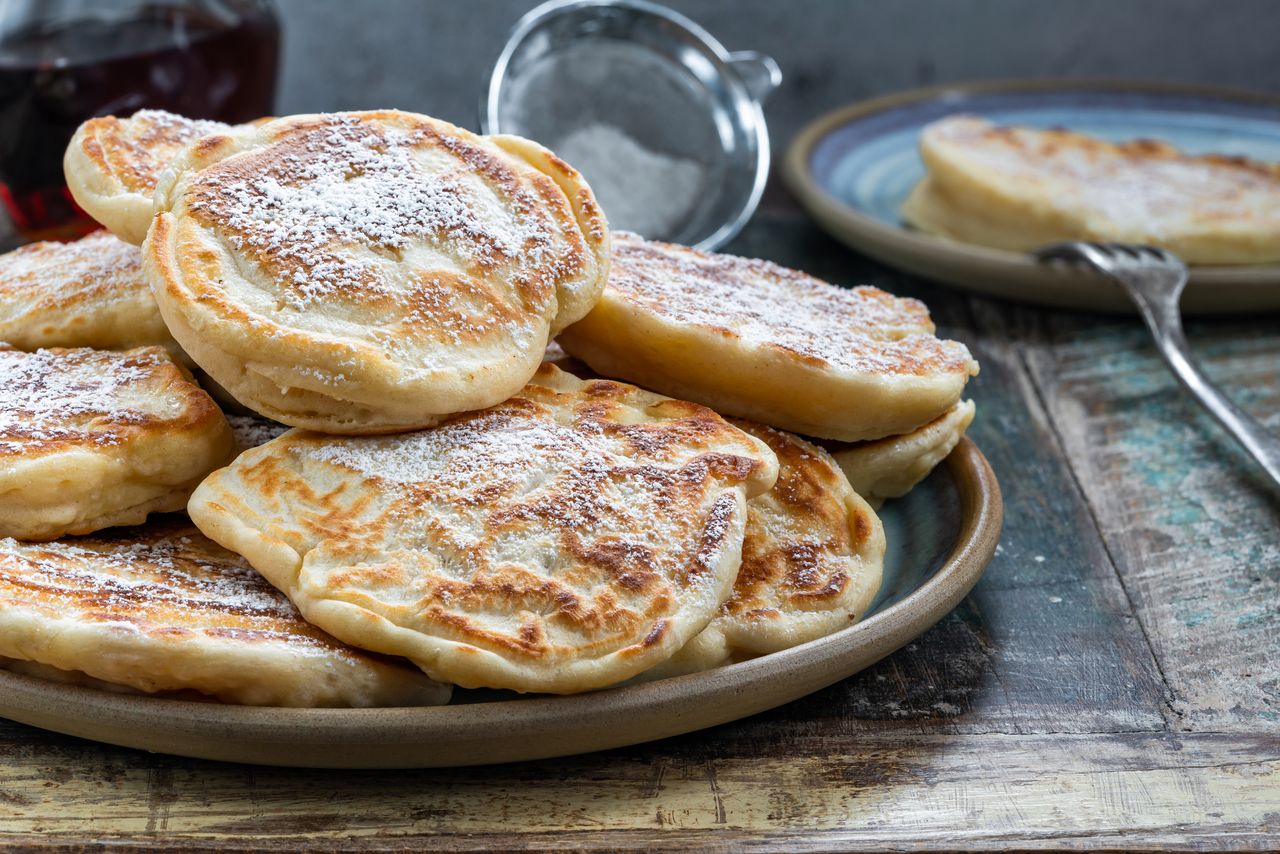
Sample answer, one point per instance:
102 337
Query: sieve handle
758 71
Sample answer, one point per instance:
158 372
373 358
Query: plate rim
901 247
533 728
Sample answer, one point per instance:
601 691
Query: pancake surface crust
812 561
162 608
892 466
752 339
372 272
87 293
569 538
112 165
91 439
1019 188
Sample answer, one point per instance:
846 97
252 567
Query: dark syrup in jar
55 76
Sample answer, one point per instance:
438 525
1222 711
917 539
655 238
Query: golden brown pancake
88 293
91 439
759 341
892 466
372 272
564 540
1019 188
112 165
812 559
161 608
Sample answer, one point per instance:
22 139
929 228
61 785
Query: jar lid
665 124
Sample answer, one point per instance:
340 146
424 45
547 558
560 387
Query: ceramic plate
853 168
940 536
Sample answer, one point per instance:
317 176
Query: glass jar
65 61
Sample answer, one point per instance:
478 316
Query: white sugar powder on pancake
44 396
253 430
754 339
162 608
859 329
563 540
459 452
93 438
372 272
87 293
355 186
112 165
172 575
174 126
100 258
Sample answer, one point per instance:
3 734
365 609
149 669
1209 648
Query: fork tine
1151 253
1125 250
1102 251
1068 251
1099 255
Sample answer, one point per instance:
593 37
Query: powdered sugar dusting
863 329
719 522
571 523
100 264
588 474
174 581
251 431
349 193
162 570
457 453
175 127
140 147
79 395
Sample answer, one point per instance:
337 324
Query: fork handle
1165 323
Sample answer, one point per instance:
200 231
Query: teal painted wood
1193 528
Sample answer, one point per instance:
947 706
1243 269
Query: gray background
434 56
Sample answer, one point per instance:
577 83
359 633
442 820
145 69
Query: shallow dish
853 168
941 537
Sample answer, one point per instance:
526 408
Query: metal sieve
664 123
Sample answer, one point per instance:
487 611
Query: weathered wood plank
1194 531
904 790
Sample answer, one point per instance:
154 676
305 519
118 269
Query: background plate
940 536
853 168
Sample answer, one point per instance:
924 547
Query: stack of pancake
417 492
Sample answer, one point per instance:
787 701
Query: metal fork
1154 278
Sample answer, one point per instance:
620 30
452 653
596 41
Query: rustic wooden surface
1113 681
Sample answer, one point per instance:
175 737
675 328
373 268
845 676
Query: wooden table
1113 681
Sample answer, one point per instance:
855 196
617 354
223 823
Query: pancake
569 538
91 439
892 466
812 560
1019 188
372 272
112 165
751 339
161 609
89 293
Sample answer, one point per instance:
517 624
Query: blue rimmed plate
853 168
